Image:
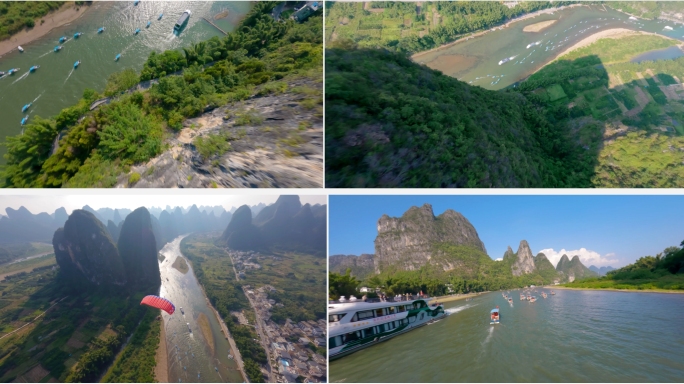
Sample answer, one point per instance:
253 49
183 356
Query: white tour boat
355 324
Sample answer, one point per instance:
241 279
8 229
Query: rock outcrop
360 266
406 242
282 149
138 248
85 251
524 262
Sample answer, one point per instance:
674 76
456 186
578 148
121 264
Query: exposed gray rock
360 266
407 242
284 150
525 261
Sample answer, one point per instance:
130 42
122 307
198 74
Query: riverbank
456 297
66 14
621 290
161 370
505 25
224 328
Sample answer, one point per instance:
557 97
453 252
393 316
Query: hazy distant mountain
138 248
85 252
114 230
360 266
601 271
573 269
21 226
286 224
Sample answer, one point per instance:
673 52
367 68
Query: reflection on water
573 336
190 357
659 54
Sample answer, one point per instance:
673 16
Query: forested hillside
393 123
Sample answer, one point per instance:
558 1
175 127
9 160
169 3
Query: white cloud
587 257
499 259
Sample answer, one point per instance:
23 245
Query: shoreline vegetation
65 14
654 290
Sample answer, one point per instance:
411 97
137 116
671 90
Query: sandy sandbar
537 27
64 15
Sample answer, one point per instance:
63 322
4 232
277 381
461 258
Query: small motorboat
117 59
183 312
12 71
101 29
148 24
26 107
189 329
24 120
62 39
160 16
76 64
533 299
553 293
510 300
20 49
33 69
2 73
58 48
494 315
216 369
77 35
136 2
137 31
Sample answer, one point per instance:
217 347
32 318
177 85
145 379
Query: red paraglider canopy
158 302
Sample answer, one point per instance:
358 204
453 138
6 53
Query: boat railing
394 299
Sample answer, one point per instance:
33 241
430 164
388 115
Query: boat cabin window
392 310
336 317
379 312
363 315
335 341
351 336
401 308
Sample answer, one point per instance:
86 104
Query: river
189 354
573 336
56 85
476 61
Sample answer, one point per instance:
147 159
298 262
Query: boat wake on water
489 336
36 99
72 71
451 311
22 77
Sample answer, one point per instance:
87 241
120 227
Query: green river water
573 336
476 61
56 85
190 359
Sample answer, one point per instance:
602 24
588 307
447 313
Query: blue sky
602 230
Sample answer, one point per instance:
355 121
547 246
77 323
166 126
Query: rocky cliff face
260 157
138 248
524 263
360 266
85 251
407 242
509 256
